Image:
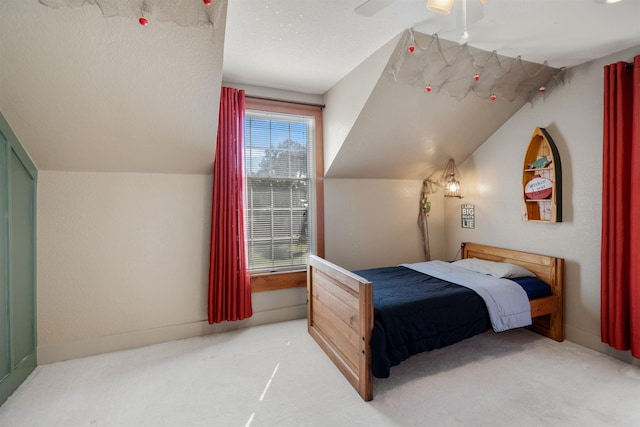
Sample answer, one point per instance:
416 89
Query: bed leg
550 326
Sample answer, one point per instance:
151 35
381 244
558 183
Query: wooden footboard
340 308
340 319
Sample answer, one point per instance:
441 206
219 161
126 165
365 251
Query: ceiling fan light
440 6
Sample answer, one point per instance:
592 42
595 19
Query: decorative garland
188 13
437 65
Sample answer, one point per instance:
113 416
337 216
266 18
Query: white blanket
506 301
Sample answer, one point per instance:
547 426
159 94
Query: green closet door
17 263
5 364
22 261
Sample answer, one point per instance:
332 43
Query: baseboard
594 342
585 339
50 353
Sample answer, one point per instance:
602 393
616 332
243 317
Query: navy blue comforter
414 312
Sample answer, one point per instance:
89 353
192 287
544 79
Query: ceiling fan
371 7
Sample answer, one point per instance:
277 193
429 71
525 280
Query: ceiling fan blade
371 7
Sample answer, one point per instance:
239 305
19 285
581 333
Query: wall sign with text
468 215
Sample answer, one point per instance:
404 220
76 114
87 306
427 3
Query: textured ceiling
309 45
399 133
88 93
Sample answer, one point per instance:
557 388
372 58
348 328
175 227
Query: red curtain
620 259
229 280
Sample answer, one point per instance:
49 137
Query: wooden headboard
547 312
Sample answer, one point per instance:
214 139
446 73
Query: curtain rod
285 101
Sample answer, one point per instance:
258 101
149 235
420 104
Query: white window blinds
279 178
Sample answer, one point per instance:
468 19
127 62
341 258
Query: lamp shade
440 6
449 181
452 187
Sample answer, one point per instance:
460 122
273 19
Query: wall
345 100
122 257
370 222
373 223
123 262
572 114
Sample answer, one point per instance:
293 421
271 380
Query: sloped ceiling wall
88 93
404 133
345 100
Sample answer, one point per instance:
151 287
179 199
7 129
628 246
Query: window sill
275 281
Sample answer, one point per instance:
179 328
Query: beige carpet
276 375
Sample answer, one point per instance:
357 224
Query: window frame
295 278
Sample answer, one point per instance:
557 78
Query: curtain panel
229 279
620 256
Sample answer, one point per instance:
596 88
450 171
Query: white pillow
496 269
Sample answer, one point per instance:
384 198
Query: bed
341 309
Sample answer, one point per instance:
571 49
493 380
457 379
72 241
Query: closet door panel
18 177
21 261
5 348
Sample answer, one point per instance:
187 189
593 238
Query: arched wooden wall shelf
542 180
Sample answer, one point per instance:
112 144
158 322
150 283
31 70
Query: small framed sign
468 215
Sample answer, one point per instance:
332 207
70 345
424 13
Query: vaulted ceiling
309 45
88 93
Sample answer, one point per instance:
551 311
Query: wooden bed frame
340 308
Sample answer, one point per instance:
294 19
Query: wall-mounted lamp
452 187
449 181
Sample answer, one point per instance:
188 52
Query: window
281 165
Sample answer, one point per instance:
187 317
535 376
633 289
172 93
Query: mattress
414 312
